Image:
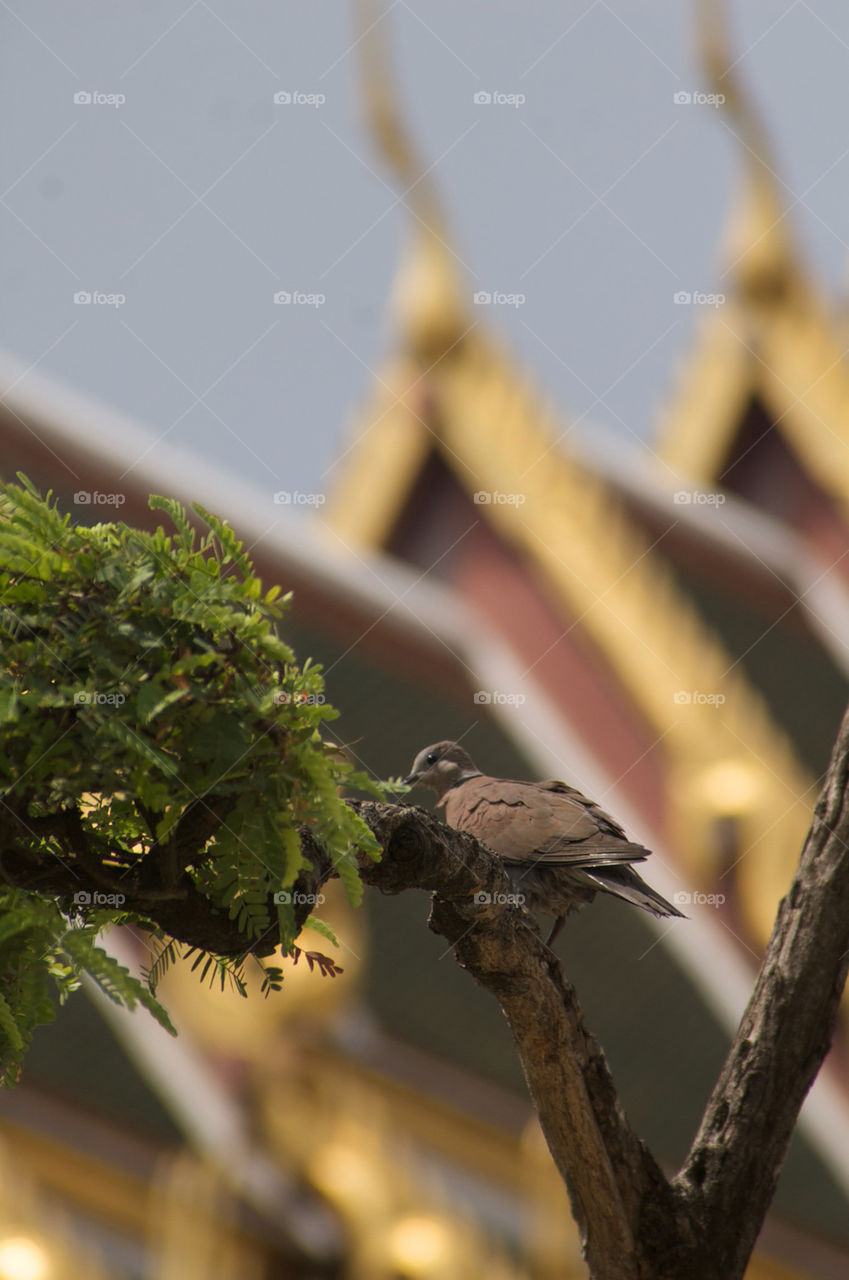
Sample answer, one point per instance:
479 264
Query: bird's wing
547 822
604 820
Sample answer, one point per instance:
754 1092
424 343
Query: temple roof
775 341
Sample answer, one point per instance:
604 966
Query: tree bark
785 1033
633 1223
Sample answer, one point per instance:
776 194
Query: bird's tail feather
623 882
614 854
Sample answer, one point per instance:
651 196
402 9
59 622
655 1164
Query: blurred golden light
731 787
22 1259
419 1245
342 1172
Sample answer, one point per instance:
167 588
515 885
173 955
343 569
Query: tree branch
166 860
178 908
785 1034
632 1222
635 1223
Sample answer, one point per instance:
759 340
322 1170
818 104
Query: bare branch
631 1220
785 1034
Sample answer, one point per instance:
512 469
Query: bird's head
441 767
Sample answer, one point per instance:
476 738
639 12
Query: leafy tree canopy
162 759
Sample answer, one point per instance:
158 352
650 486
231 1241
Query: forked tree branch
634 1223
785 1033
629 1215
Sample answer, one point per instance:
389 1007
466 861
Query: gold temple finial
429 297
759 247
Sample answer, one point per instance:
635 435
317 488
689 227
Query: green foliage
42 951
156 729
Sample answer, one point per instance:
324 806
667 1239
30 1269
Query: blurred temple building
672 639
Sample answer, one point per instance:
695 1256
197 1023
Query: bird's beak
411 781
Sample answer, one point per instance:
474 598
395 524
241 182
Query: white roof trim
65 419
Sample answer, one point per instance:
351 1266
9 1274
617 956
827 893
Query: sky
147 167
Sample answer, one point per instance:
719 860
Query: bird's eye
430 758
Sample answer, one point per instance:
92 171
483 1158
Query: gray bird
559 848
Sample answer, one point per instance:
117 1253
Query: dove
558 847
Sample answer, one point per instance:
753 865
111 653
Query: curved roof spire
759 247
429 296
